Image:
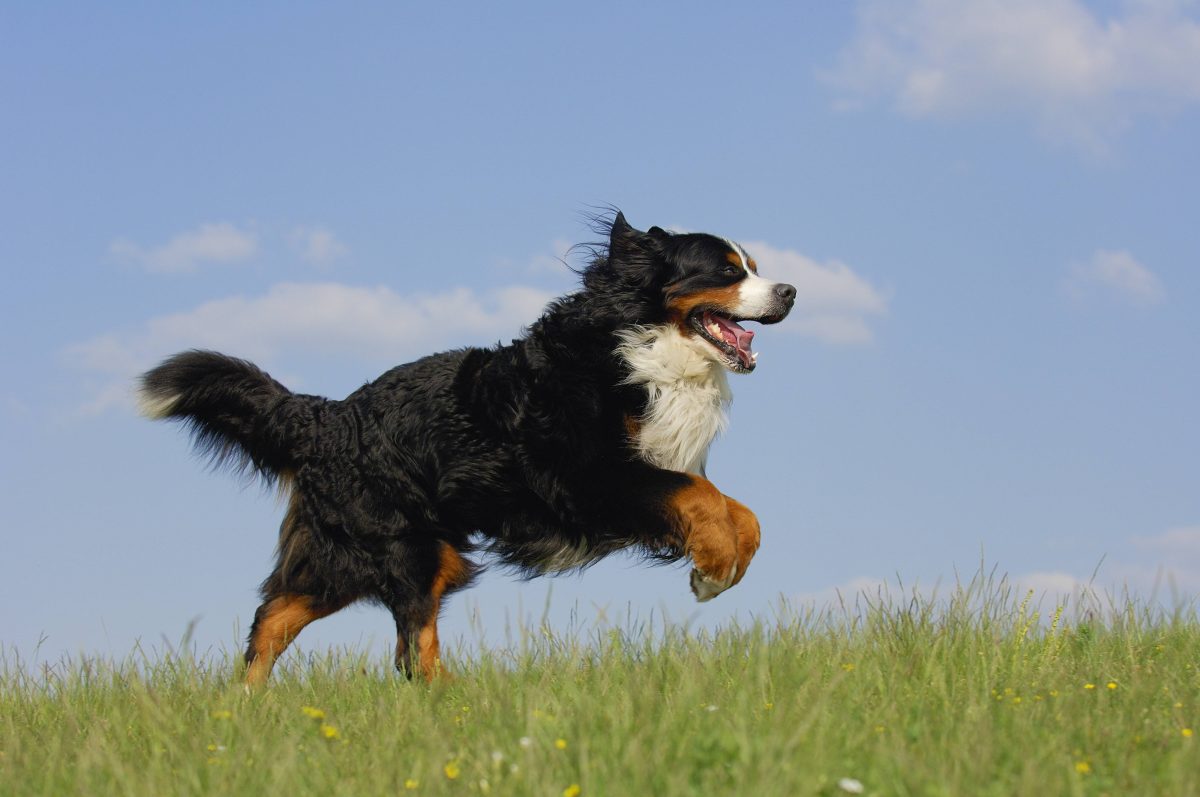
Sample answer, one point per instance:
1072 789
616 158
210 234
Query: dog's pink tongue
737 337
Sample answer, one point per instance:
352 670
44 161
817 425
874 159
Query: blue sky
988 208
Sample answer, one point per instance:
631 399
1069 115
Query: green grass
974 694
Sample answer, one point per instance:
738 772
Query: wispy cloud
833 303
1076 73
317 245
1116 272
1049 583
377 324
1165 566
209 243
851 593
1182 541
330 319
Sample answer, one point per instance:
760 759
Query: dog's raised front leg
749 534
719 534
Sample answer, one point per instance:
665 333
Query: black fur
520 450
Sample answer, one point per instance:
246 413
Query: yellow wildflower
561 744
1187 733
1083 767
1089 686
411 783
572 791
848 666
314 713
1111 685
451 769
329 732
222 714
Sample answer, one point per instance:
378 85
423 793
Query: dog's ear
636 259
634 255
623 239
621 233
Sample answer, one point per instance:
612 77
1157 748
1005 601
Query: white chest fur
686 391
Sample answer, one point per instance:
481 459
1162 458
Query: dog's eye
731 271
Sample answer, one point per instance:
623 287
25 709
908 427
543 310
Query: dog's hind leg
276 623
416 620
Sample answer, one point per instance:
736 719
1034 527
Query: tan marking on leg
284 618
709 535
452 572
633 426
749 534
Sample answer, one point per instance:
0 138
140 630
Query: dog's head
704 285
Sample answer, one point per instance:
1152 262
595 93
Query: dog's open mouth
728 337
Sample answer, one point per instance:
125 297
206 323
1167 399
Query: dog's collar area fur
687 393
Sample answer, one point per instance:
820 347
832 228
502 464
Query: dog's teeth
754 356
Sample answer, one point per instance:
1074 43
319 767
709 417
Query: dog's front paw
706 586
749 535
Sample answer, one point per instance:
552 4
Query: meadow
977 692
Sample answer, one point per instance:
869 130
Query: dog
586 436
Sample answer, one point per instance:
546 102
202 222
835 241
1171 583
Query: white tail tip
156 407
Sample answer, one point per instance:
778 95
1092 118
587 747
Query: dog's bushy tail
237 414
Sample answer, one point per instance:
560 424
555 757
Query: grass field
972 694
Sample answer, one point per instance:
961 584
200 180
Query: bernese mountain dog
586 436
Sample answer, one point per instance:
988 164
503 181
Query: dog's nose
786 292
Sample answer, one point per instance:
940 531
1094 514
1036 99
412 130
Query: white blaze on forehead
740 252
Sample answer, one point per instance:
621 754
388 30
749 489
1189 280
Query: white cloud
1077 73
1164 564
376 324
317 245
208 243
1183 541
1164 567
1119 272
1173 561
850 594
1049 583
312 318
832 302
